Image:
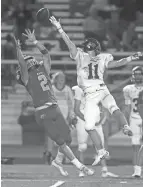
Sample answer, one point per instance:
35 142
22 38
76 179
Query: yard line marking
58 183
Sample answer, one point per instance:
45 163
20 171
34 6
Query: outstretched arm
70 44
46 56
23 65
124 61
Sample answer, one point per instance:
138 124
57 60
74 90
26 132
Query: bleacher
11 131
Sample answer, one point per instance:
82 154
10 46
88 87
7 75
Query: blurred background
117 24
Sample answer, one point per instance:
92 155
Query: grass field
47 176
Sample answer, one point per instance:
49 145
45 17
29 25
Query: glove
136 56
55 22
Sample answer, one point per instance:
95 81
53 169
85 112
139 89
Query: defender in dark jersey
35 76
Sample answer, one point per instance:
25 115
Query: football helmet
91 44
137 74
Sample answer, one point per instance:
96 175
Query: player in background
64 96
91 65
36 79
138 170
131 95
82 135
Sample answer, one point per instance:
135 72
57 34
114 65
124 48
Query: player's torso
90 72
134 95
62 99
39 87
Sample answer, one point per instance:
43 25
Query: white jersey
79 95
64 98
131 95
90 72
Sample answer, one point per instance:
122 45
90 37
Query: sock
101 151
135 167
138 170
104 169
76 162
59 158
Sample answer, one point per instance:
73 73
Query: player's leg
104 170
62 138
92 117
48 147
82 137
139 163
109 103
136 142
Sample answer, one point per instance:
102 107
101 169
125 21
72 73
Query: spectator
128 12
115 30
32 132
139 30
79 6
8 49
129 37
94 26
22 20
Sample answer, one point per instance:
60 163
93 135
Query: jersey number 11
93 74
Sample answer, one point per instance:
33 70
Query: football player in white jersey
82 135
131 95
91 65
138 170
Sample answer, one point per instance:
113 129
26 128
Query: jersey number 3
135 101
43 82
93 73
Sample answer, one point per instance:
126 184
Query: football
43 15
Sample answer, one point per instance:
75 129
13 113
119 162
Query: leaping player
91 65
35 76
82 135
131 95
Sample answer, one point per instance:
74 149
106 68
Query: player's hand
55 22
17 42
30 35
136 56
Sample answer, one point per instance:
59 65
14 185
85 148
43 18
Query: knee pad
82 147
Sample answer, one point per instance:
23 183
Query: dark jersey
39 87
141 98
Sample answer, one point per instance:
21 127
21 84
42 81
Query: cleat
99 157
87 171
81 174
59 166
127 130
108 174
136 175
